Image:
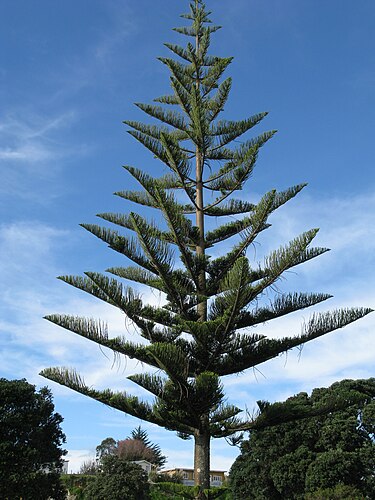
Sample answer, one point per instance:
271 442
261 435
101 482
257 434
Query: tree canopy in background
318 453
135 447
107 447
30 442
140 435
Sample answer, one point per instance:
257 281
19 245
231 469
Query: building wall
216 477
146 466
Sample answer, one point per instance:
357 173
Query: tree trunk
202 461
200 249
201 436
199 164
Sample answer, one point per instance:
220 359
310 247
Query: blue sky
69 73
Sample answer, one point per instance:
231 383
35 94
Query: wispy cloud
95 64
123 26
26 272
347 227
32 152
32 138
27 245
28 265
346 223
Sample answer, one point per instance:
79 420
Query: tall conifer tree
204 330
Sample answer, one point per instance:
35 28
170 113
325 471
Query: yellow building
217 477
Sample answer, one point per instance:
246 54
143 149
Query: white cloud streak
31 139
33 150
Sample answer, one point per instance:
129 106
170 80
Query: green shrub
173 491
77 484
118 479
340 492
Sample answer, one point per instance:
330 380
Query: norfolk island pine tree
203 332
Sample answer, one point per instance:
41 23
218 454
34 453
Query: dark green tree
118 479
107 447
339 492
313 454
204 330
30 442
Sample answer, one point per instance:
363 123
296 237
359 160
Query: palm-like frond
118 400
266 349
282 305
126 246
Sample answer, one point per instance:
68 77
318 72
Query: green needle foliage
204 329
